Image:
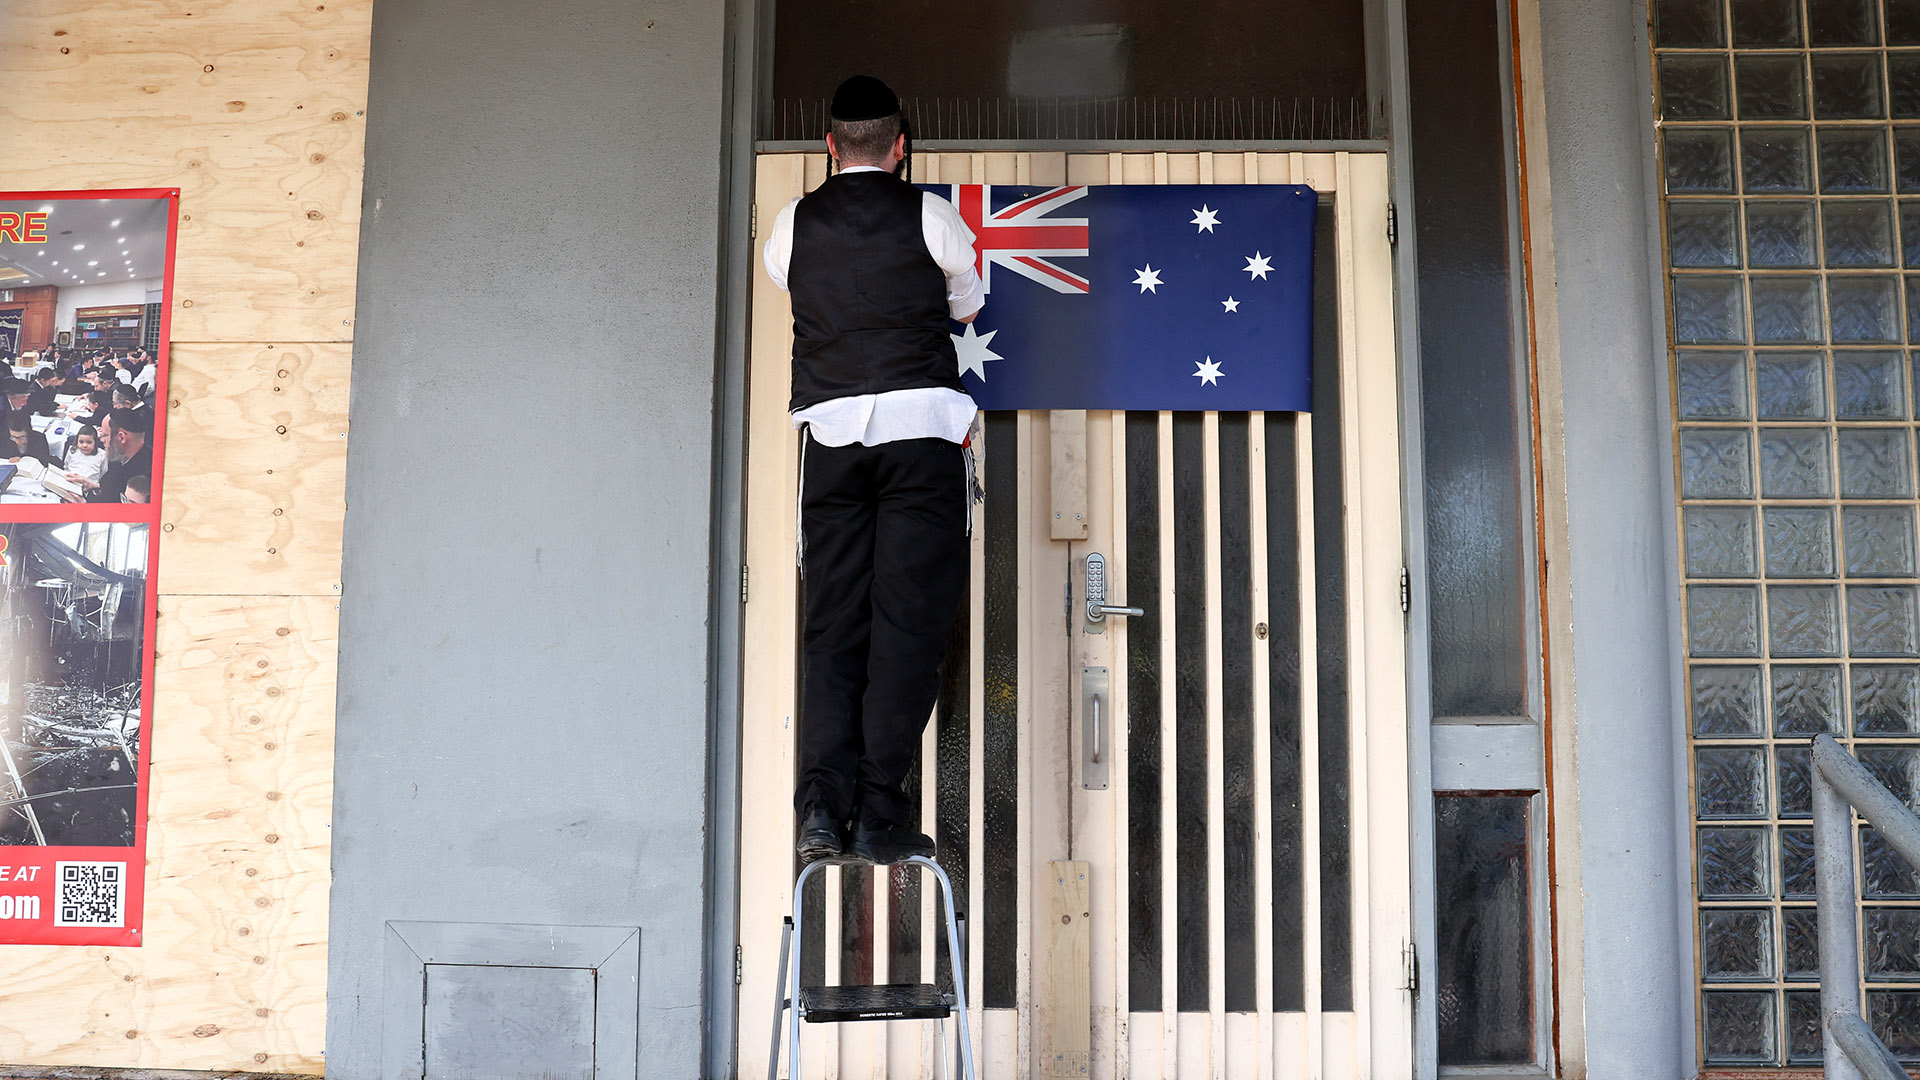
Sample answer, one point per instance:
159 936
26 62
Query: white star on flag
1230 304
1258 265
1148 280
1205 218
973 352
1208 373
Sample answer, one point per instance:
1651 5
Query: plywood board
233 973
1069 970
1067 473
255 470
253 108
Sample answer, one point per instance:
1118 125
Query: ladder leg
959 965
946 1073
793 972
961 922
780 1001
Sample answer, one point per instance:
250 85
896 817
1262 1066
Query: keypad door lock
1097 607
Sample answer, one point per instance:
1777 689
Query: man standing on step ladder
876 267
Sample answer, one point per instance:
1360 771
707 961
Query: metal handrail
1841 785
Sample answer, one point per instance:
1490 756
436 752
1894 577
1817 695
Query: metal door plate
1096 728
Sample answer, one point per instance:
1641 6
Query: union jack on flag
1155 297
1024 236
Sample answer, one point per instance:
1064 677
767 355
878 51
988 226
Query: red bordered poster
86 286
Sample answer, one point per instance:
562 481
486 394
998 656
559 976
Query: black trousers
885 567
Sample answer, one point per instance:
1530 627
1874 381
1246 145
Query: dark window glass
903 906
1474 504
856 925
951 796
1694 88
813 925
1758 22
1485 930
1143 713
1330 612
1091 69
1000 814
1694 22
813 913
1771 87
1190 762
1843 22
1236 707
1283 676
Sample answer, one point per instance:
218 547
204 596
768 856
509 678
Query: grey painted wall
522 715
1612 354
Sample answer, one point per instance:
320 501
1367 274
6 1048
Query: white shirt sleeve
950 243
778 254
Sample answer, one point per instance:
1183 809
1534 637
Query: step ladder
851 1004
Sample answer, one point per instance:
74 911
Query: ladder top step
846 1004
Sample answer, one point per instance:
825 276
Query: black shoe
878 842
819 834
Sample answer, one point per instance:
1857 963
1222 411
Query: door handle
1097 607
1095 762
1098 742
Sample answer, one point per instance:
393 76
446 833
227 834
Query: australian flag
1139 297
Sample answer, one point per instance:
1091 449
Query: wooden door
1211 878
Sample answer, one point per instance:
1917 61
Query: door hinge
736 965
753 221
743 583
1393 225
1410 960
1406 591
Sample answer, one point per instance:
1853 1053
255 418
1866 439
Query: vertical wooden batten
255 111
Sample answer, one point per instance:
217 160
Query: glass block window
1790 154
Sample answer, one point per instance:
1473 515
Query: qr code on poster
90 894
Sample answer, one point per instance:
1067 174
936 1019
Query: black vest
869 302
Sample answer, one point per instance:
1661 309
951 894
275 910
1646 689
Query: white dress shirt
929 412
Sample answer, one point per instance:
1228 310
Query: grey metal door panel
513 1001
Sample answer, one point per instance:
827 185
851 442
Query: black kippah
864 97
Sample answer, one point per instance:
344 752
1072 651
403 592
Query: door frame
749 38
